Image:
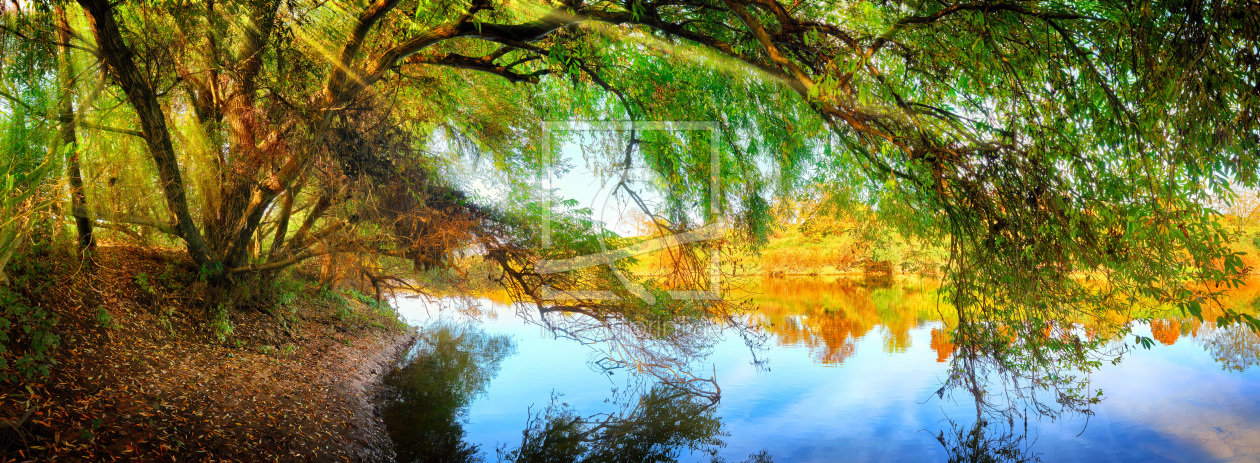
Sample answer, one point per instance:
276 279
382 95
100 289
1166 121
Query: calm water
850 374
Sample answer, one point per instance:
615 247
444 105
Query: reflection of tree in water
1166 331
986 442
1236 347
828 335
941 345
828 317
450 366
453 363
1019 367
1037 370
667 346
1042 369
1042 386
655 426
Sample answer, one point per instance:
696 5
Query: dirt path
157 386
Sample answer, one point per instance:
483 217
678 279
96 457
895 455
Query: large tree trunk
78 195
143 99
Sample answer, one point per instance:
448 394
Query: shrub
221 322
26 338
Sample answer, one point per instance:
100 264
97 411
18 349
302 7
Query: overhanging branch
482 64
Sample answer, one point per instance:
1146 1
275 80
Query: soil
140 375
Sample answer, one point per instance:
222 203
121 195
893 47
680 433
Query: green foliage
288 295
221 322
30 153
27 340
164 319
380 313
948 122
106 319
170 278
287 290
357 309
368 300
658 427
18 187
27 336
142 281
448 368
1066 155
341 307
986 443
883 244
206 271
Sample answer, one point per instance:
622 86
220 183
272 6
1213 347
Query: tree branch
956 8
132 219
140 94
483 64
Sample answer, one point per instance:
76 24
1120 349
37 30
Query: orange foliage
829 336
835 331
1166 331
941 344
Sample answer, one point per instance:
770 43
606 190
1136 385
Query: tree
1042 140
65 72
29 154
655 425
1243 206
429 396
252 169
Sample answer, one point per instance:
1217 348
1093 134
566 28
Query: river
847 372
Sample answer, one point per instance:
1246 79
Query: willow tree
299 123
257 122
1070 153
1043 140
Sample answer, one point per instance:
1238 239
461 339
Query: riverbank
138 374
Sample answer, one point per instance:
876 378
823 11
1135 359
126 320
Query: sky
586 173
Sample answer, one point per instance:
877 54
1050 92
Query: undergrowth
28 338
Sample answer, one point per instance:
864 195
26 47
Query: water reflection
450 365
868 371
655 426
829 316
984 442
1009 371
1235 347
